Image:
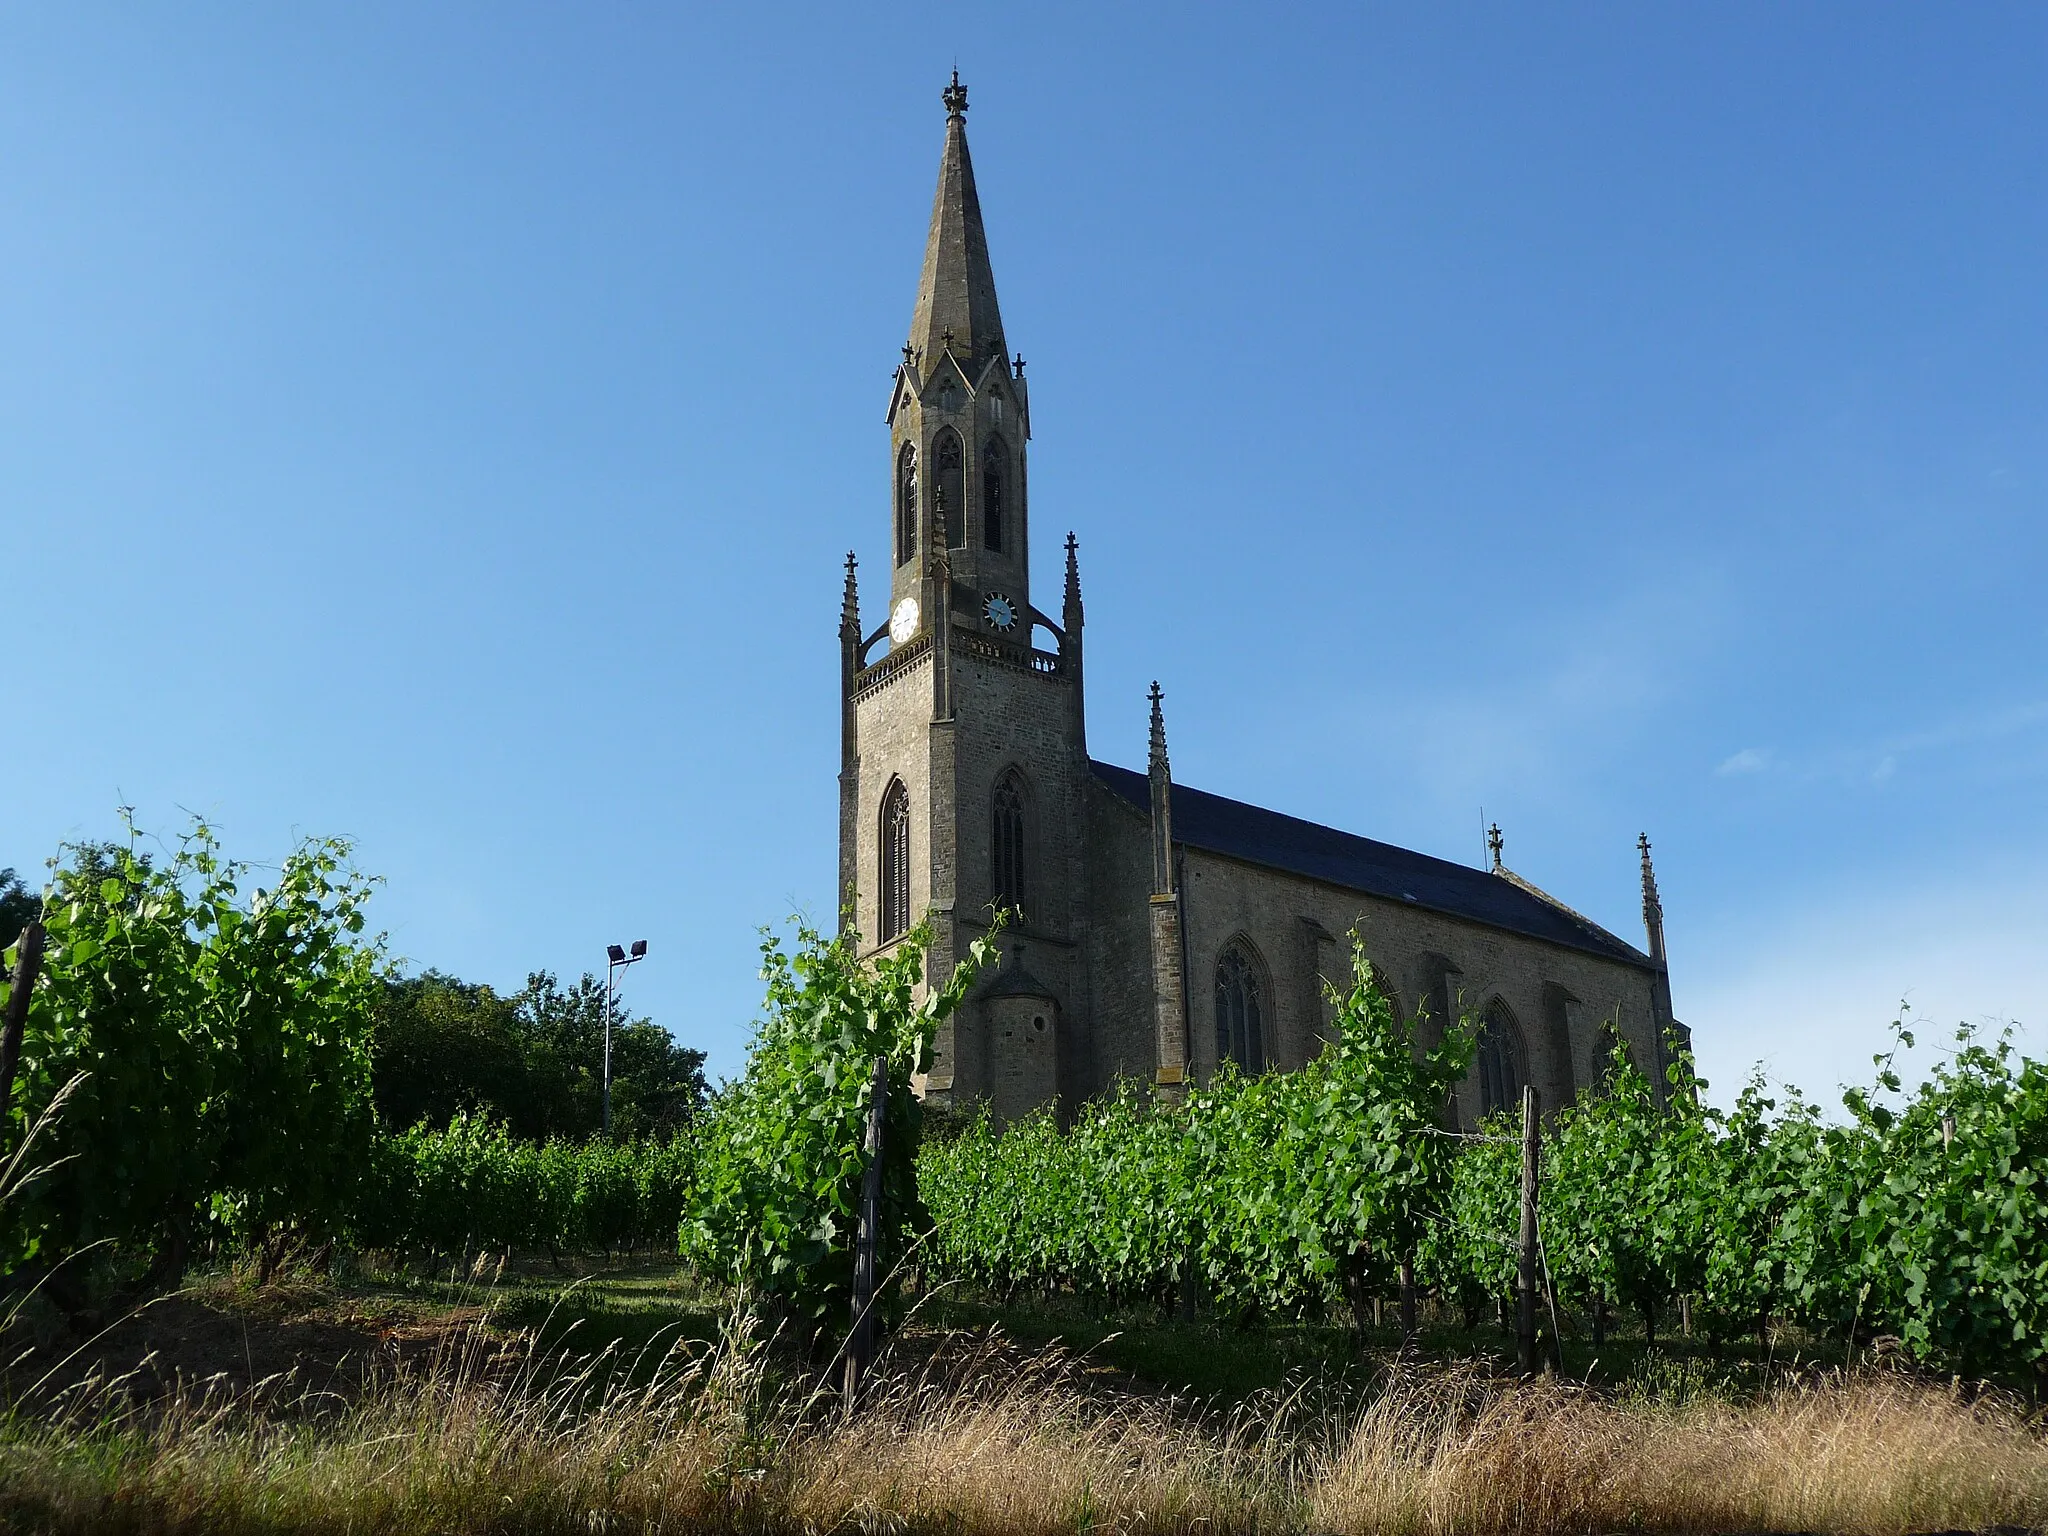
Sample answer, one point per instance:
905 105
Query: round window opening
1038 1023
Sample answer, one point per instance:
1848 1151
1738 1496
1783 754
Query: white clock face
903 621
1000 612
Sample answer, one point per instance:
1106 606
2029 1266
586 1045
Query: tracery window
992 456
1501 1066
1384 985
906 504
1606 1041
1240 1009
951 479
895 861
1006 842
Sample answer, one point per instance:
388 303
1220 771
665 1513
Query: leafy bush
777 1193
1277 1193
472 1186
223 1042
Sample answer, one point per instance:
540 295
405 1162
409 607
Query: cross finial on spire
849 604
1017 363
1494 843
955 97
1158 730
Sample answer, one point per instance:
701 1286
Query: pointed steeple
956 294
1070 653
849 604
1161 776
1071 609
1653 906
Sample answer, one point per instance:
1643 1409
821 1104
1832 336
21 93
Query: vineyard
200 1151
444 1194
214 1050
1925 1219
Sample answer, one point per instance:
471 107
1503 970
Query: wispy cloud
1807 985
1877 762
1600 676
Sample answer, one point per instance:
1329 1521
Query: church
1156 931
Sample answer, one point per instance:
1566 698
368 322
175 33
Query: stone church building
1157 930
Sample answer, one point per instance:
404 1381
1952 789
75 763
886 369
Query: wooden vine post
28 960
860 1347
1526 1271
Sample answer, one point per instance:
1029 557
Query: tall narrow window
1606 1041
992 455
906 504
895 861
1240 1010
950 473
1006 843
1500 1066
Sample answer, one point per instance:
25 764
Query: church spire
1161 775
1653 906
956 294
849 603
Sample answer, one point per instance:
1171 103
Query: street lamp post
616 960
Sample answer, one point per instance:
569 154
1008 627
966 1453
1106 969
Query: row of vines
212 1032
472 1186
208 1032
195 1072
1924 1216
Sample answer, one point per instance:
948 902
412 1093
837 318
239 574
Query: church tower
963 758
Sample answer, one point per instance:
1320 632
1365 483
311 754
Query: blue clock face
1000 612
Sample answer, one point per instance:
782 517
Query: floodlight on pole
616 960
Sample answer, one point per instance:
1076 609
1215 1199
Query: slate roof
1240 831
1012 980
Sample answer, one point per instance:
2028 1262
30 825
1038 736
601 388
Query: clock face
903 621
1000 612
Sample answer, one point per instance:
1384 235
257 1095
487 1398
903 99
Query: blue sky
442 425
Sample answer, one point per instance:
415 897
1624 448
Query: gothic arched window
1240 1009
895 861
1606 1041
992 455
1501 1066
950 479
1006 842
906 504
1384 985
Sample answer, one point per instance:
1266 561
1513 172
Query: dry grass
985 1442
1873 1455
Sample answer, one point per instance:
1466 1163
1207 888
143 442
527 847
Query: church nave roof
1259 836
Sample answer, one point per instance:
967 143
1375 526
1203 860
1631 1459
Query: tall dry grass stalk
1872 1455
984 1442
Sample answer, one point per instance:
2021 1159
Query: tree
17 905
657 1085
534 1060
442 1047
